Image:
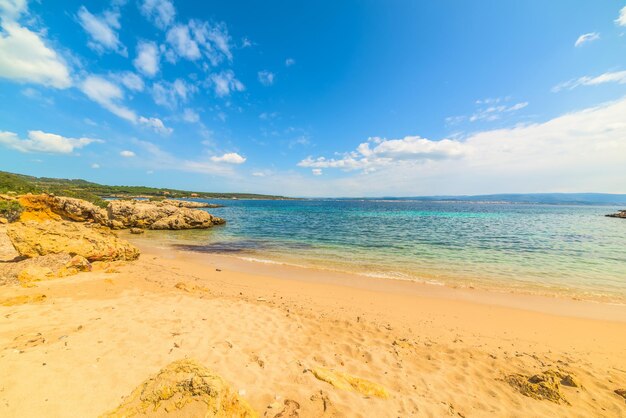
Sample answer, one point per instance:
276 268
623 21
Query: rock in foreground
184 388
157 215
47 207
95 243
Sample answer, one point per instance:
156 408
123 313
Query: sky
322 98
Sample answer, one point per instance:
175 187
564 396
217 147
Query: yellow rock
23 299
184 389
347 382
545 385
95 243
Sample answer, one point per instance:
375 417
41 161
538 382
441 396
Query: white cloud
289 62
608 77
492 113
12 9
230 158
159 12
266 78
225 82
183 44
25 58
156 124
39 141
130 80
95 165
170 94
107 95
317 171
388 151
147 60
102 30
110 96
127 154
621 20
579 151
191 116
587 38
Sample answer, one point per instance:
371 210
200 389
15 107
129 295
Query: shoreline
555 304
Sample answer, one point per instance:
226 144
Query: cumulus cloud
156 124
225 82
127 154
160 12
621 19
266 78
317 171
579 151
102 30
230 158
289 62
378 152
618 77
24 57
587 38
183 44
39 141
147 60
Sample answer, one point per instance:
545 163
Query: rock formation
157 215
545 385
190 204
618 214
93 242
47 207
184 388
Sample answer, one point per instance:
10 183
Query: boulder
33 269
157 215
136 231
95 243
545 385
184 388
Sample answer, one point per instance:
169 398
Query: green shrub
10 210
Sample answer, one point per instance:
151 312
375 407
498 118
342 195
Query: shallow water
550 249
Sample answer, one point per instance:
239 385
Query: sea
550 249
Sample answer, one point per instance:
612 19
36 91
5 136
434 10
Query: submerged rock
347 382
136 231
95 243
184 388
618 214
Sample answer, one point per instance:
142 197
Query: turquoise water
551 249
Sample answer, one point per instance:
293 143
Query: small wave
260 260
400 276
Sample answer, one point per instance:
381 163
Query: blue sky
324 98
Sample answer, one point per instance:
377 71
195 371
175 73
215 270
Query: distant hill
546 198
94 192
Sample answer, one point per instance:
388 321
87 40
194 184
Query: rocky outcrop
47 207
120 214
93 242
184 388
345 381
190 204
618 214
157 215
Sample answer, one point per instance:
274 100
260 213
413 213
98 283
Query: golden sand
296 342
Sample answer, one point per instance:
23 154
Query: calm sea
553 249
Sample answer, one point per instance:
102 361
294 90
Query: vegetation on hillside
10 210
94 192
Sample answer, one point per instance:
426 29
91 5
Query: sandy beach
77 346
